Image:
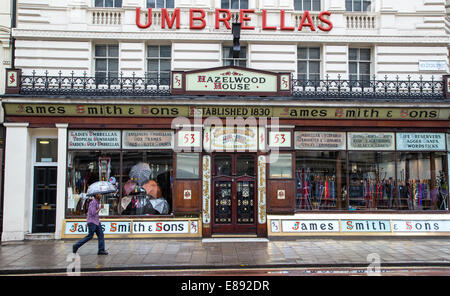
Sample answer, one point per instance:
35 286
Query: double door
234 191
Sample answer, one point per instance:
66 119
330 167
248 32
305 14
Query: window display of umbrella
100 187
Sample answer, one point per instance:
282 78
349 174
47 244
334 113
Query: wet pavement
166 255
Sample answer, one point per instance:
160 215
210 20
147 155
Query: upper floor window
312 5
159 58
358 5
106 63
228 60
359 64
308 63
160 3
108 3
234 4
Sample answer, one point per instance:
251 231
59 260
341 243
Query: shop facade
255 149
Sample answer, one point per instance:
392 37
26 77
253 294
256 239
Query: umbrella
102 187
141 172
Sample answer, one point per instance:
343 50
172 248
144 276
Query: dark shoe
102 253
74 249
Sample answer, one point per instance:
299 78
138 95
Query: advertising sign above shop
231 80
148 139
234 138
371 141
93 139
421 141
320 140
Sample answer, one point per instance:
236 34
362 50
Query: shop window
371 180
358 5
188 166
108 3
311 5
46 150
308 63
234 4
160 3
85 168
159 64
321 180
228 60
151 194
422 183
359 66
280 166
106 64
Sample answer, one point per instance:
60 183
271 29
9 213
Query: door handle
46 206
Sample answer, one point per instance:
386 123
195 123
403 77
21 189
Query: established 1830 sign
231 80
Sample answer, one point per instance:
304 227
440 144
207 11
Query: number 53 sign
189 139
279 139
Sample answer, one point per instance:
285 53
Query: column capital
16 124
61 125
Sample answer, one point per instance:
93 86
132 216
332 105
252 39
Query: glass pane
227 52
100 65
314 67
152 65
165 65
113 51
316 5
113 65
353 68
160 4
245 165
364 54
242 63
281 168
298 4
153 51
100 50
109 3
151 4
314 53
164 78
367 6
353 54
306 4
302 67
188 165
357 5
225 4
364 68
98 3
243 52
349 5
118 3
170 4
372 177
46 150
302 76
85 168
302 53
222 165
234 4
244 4
321 180
154 192
165 51
314 77
228 62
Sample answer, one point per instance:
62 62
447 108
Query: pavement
23 257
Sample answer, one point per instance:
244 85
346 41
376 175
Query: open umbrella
141 173
102 187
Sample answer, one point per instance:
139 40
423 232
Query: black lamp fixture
236 31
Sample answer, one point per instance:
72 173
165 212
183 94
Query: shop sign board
371 141
320 140
127 227
223 111
421 141
234 138
231 80
93 139
363 226
148 139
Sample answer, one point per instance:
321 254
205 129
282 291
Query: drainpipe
12 39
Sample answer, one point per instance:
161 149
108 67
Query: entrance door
44 204
234 184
